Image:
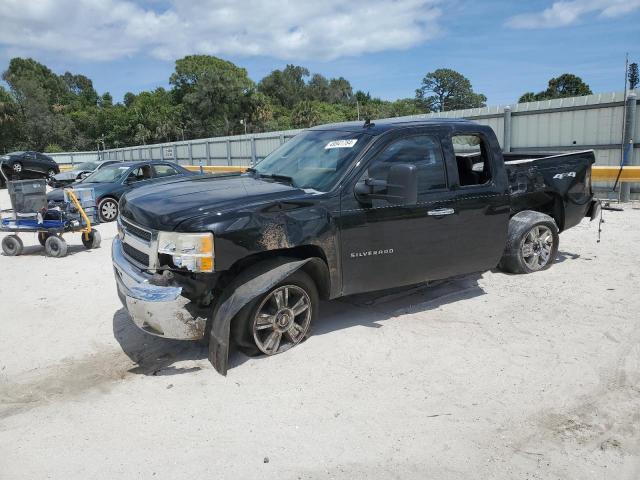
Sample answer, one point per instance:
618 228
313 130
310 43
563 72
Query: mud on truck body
338 210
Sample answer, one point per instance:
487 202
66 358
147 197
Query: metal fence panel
593 122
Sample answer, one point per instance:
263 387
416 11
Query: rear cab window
472 159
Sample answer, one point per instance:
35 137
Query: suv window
472 158
164 170
139 174
421 150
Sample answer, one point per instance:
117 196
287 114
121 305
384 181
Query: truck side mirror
400 188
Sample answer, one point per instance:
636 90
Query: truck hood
164 206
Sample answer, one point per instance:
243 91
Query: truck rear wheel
278 320
532 243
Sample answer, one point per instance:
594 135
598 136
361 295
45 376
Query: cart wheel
12 245
55 246
93 241
42 237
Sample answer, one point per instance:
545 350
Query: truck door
481 199
387 244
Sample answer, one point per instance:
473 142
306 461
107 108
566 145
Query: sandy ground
488 376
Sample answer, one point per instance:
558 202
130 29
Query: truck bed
539 181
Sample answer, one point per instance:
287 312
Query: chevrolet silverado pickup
338 210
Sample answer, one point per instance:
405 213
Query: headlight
192 251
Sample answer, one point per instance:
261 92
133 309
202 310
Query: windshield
314 159
106 175
87 166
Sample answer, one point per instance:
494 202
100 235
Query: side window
472 158
139 174
164 170
421 150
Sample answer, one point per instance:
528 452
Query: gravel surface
486 376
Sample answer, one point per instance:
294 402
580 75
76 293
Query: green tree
445 89
565 85
306 114
81 88
318 88
634 78
287 87
9 121
527 97
213 92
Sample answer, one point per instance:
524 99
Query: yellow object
87 230
206 264
610 173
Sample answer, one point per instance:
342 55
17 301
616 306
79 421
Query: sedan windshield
87 166
106 175
313 159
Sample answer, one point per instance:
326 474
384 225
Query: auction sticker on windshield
341 143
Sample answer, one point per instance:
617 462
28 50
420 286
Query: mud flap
250 284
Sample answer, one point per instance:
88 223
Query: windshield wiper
277 177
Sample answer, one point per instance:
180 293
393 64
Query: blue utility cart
31 214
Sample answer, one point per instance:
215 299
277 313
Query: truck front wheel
279 319
532 243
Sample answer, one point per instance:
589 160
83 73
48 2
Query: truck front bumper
158 310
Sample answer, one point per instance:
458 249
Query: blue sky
385 47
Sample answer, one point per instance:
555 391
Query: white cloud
564 13
288 29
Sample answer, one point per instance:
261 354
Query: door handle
439 212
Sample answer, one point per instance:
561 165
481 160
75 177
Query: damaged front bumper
158 310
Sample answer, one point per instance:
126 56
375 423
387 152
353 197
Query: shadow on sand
157 356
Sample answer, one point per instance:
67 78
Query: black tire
93 241
12 245
17 168
42 237
108 209
55 247
524 252
50 173
242 326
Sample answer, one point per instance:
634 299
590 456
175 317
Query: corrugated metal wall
591 122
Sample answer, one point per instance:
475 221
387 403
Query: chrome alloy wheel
537 246
282 320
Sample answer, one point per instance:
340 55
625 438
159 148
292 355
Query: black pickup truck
338 210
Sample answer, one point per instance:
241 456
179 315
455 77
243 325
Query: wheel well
110 197
317 268
552 206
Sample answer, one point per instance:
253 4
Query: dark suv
23 165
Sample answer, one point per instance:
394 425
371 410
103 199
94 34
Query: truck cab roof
377 127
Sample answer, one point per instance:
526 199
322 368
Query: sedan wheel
50 173
17 167
108 210
282 320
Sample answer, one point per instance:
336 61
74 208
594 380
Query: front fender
248 285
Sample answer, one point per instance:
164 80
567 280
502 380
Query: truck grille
137 231
136 255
